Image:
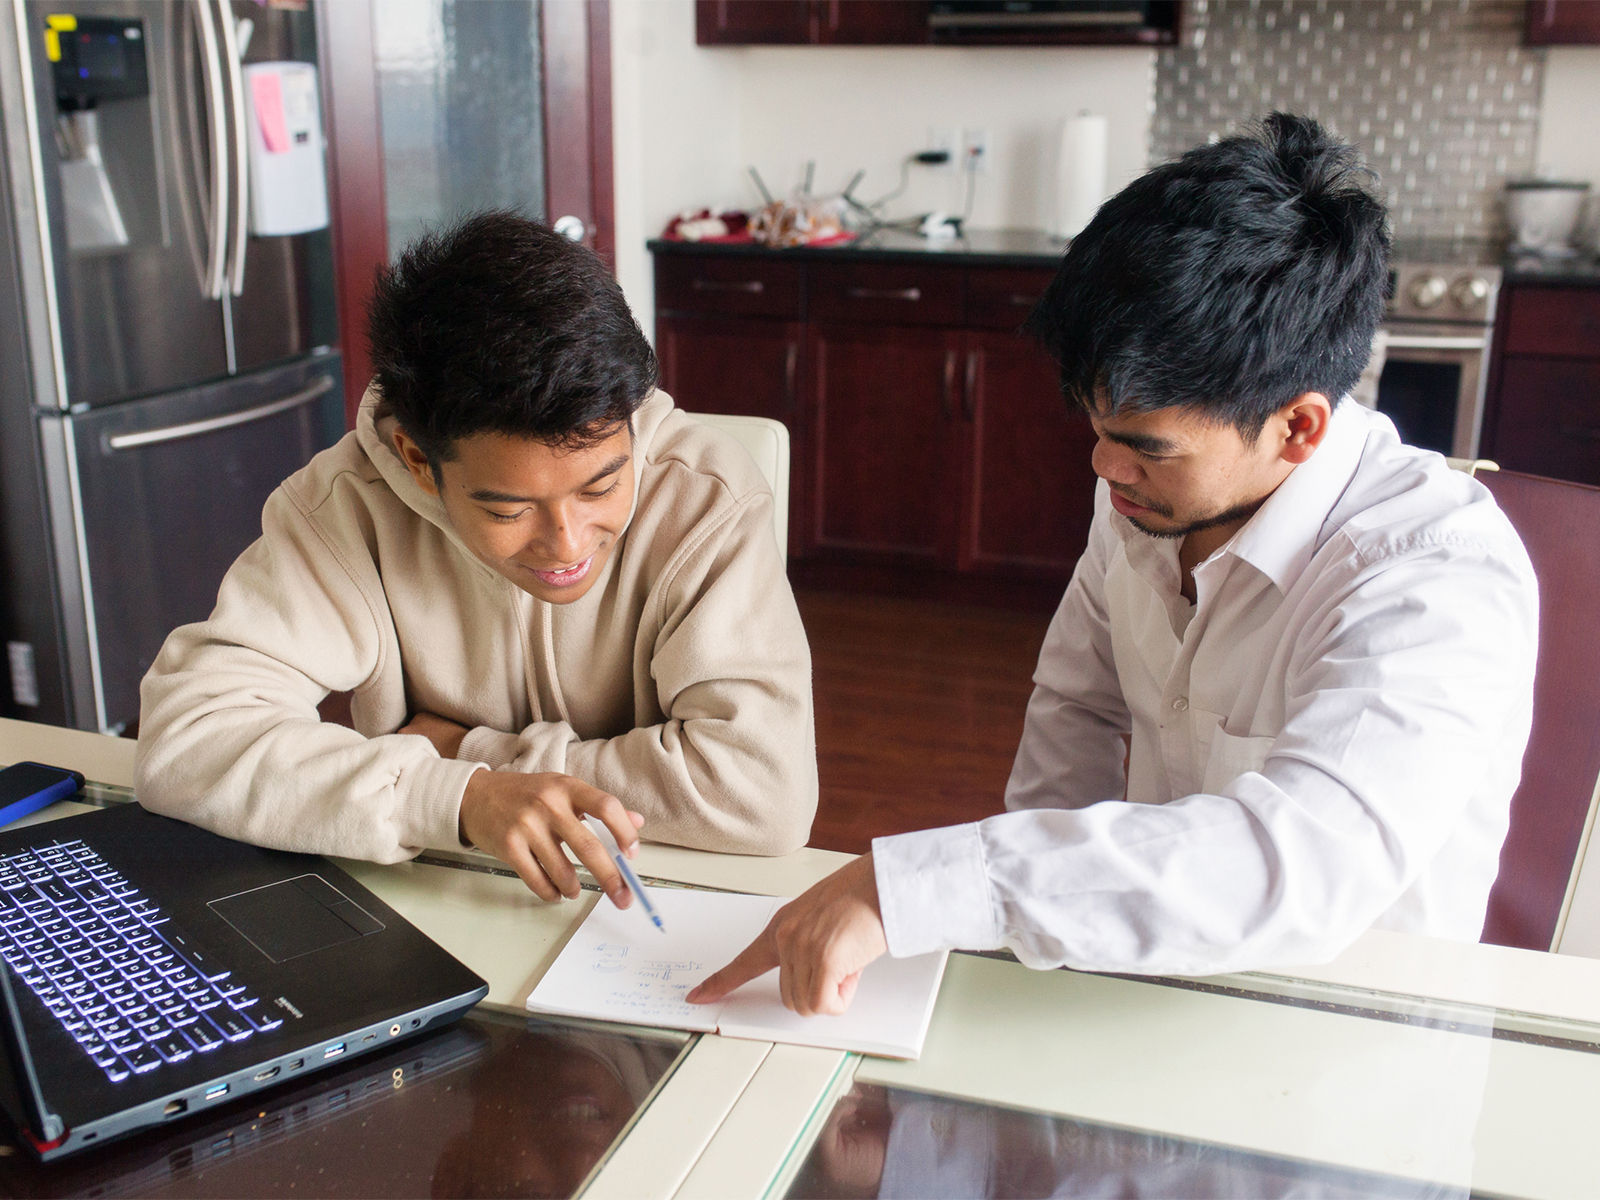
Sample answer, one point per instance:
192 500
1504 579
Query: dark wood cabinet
908 23
1543 415
928 433
1030 488
1562 23
884 467
810 22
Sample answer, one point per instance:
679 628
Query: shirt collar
1286 530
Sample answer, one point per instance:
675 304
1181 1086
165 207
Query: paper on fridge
619 967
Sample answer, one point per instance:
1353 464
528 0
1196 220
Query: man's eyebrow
1141 442
494 497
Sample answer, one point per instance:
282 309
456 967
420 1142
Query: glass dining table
1410 1067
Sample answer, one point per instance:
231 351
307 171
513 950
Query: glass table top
893 1142
499 1104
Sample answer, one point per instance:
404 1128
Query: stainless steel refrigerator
167 324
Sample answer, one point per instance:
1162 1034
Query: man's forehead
1176 427
510 466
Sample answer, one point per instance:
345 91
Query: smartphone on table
26 787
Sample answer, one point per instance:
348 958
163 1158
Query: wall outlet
942 138
974 149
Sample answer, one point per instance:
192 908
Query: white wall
690 121
1568 147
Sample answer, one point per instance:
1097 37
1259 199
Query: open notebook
620 967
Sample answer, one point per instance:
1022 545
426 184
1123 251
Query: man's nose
1114 463
562 535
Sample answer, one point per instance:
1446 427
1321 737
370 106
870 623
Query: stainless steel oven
1434 348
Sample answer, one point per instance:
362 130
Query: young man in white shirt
1319 642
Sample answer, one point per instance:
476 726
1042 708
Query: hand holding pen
610 843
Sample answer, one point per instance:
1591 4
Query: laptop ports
174 1107
334 1050
269 1073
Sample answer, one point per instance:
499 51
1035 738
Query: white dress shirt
1326 741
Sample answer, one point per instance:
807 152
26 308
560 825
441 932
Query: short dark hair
498 324
1228 281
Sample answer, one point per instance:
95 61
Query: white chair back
767 442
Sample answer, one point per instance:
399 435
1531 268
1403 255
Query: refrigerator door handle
173 433
241 148
217 235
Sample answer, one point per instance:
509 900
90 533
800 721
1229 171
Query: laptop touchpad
295 916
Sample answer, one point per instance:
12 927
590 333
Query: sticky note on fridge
266 94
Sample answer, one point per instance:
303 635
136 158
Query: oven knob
1470 291
1428 290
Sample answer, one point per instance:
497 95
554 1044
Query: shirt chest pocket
1221 756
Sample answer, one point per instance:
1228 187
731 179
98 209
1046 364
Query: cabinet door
1547 418
872 22
745 366
1029 485
1562 23
885 420
752 22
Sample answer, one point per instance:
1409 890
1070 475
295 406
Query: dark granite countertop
1036 248
1581 270
979 247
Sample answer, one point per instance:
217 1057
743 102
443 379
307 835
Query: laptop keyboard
121 978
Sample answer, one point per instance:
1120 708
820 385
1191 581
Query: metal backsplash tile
1440 95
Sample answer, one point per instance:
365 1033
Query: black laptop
155 970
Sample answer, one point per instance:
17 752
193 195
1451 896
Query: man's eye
603 494
506 518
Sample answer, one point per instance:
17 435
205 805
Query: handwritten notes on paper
620 967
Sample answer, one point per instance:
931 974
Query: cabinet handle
753 286
970 400
947 393
861 293
1584 433
791 361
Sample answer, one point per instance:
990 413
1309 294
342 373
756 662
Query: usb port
334 1050
216 1091
267 1074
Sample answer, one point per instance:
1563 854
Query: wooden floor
919 708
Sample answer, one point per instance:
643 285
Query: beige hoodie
680 683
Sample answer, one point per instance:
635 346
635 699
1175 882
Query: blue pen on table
598 828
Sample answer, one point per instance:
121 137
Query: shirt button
1180 704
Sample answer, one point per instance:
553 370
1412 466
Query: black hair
1228 281
498 324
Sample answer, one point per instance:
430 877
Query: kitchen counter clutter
893 341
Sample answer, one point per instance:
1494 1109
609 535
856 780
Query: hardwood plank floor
919 708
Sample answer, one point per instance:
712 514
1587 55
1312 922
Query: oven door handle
1423 341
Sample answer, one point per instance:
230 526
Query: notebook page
889 1014
620 967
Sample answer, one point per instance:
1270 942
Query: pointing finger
759 957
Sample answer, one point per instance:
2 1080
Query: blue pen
598 828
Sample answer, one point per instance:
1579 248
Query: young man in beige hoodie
547 591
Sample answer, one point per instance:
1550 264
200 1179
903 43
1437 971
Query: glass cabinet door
459 87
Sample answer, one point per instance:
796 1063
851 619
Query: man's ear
416 461
1304 425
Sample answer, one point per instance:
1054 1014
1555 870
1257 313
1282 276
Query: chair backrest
767 441
1559 523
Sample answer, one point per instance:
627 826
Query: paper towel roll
1080 172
